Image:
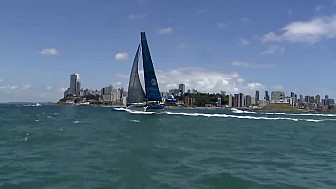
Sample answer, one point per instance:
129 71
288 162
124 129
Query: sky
236 46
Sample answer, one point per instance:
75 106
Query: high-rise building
230 101
182 88
267 98
318 100
257 96
248 101
239 100
74 90
78 87
301 98
219 101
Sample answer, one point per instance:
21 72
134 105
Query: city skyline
230 46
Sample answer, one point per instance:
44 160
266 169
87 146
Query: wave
132 111
234 110
242 117
298 114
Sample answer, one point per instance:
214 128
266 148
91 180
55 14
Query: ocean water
94 147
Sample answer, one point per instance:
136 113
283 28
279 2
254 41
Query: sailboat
149 100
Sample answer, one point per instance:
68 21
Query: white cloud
165 31
251 65
204 80
243 41
273 49
63 89
13 87
255 86
48 88
221 25
24 87
121 56
311 31
48 52
118 83
268 37
136 16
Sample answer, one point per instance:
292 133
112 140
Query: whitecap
36 120
75 122
26 138
134 120
239 116
234 110
133 111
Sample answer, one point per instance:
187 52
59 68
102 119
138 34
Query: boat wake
226 116
132 111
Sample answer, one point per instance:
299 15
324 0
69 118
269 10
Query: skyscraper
73 84
248 100
267 98
182 88
230 101
257 96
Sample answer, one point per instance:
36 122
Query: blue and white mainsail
136 93
151 84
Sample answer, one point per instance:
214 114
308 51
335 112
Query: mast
135 91
151 84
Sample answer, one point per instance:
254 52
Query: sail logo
153 81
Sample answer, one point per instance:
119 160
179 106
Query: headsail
135 92
151 84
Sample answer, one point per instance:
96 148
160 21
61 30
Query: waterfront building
219 101
278 97
311 99
66 93
267 98
318 100
248 101
194 91
253 101
293 100
189 102
301 98
257 97
230 104
78 87
327 101
74 84
238 100
182 88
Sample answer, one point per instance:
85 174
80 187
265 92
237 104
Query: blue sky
208 45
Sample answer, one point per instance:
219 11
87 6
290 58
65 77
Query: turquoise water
94 147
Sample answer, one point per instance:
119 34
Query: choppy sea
53 146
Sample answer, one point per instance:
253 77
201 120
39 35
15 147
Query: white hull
143 107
